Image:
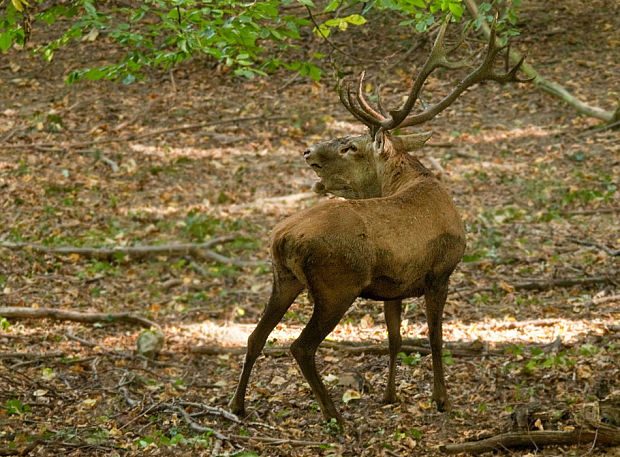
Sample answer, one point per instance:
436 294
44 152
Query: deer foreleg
282 296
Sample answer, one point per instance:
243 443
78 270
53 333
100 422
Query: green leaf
355 19
5 41
315 73
307 3
19 4
456 9
14 406
331 6
418 3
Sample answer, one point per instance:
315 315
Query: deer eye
348 148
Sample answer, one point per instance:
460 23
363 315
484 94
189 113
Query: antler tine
364 104
483 72
437 58
379 104
350 105
347 102
353 102
493 50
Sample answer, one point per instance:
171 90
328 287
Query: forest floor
103 164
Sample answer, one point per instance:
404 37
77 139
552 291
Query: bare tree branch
65 315
140 252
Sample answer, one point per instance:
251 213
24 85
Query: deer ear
415 140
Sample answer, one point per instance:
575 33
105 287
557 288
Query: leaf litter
102 165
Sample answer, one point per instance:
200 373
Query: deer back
398 226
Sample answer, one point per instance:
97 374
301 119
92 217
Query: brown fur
398 235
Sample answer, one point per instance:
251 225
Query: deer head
357 167
349 166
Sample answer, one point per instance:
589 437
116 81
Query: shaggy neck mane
399 169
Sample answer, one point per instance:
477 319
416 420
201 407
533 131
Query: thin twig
109 162
213 410
602 128
133 419
327 40
30 355
193 425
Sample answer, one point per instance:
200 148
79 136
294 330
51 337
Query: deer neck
398 171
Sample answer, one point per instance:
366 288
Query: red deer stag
397 235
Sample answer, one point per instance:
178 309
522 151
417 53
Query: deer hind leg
327 313
392 310
283 294
435 297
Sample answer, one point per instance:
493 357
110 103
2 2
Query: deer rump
387 252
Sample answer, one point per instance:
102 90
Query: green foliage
409 360
447 358
332 427
413 433
15 407
540 360
250 37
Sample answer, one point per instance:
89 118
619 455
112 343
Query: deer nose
306 153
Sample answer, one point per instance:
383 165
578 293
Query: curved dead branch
65 315
139 252
602 435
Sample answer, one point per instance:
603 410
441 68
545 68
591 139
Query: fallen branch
213 410
193 425
65 315
590 212
139 252
601 246
602 435
271 440
519 324
85 144
607 299
543 284
30 355
474 348
200 429
544 84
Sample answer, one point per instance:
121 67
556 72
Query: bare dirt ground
103 164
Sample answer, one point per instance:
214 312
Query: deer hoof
236 409
389 398
443 404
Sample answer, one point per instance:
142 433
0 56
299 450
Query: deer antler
357 105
